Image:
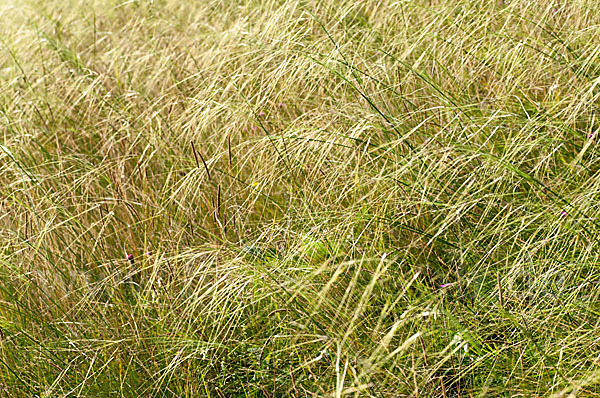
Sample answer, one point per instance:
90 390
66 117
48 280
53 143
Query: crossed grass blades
299 198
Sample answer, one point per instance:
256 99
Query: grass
299 198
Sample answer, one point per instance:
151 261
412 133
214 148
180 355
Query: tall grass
299 198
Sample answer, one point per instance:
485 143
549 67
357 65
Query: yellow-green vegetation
299 198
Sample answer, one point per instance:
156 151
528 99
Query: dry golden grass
299 198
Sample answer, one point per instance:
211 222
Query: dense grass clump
299 198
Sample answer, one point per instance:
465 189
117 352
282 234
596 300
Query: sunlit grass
299 199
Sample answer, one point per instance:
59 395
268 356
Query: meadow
299 198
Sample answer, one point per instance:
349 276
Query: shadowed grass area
299 198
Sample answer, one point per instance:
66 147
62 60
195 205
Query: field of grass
299 198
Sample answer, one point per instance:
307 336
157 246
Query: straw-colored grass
299 198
